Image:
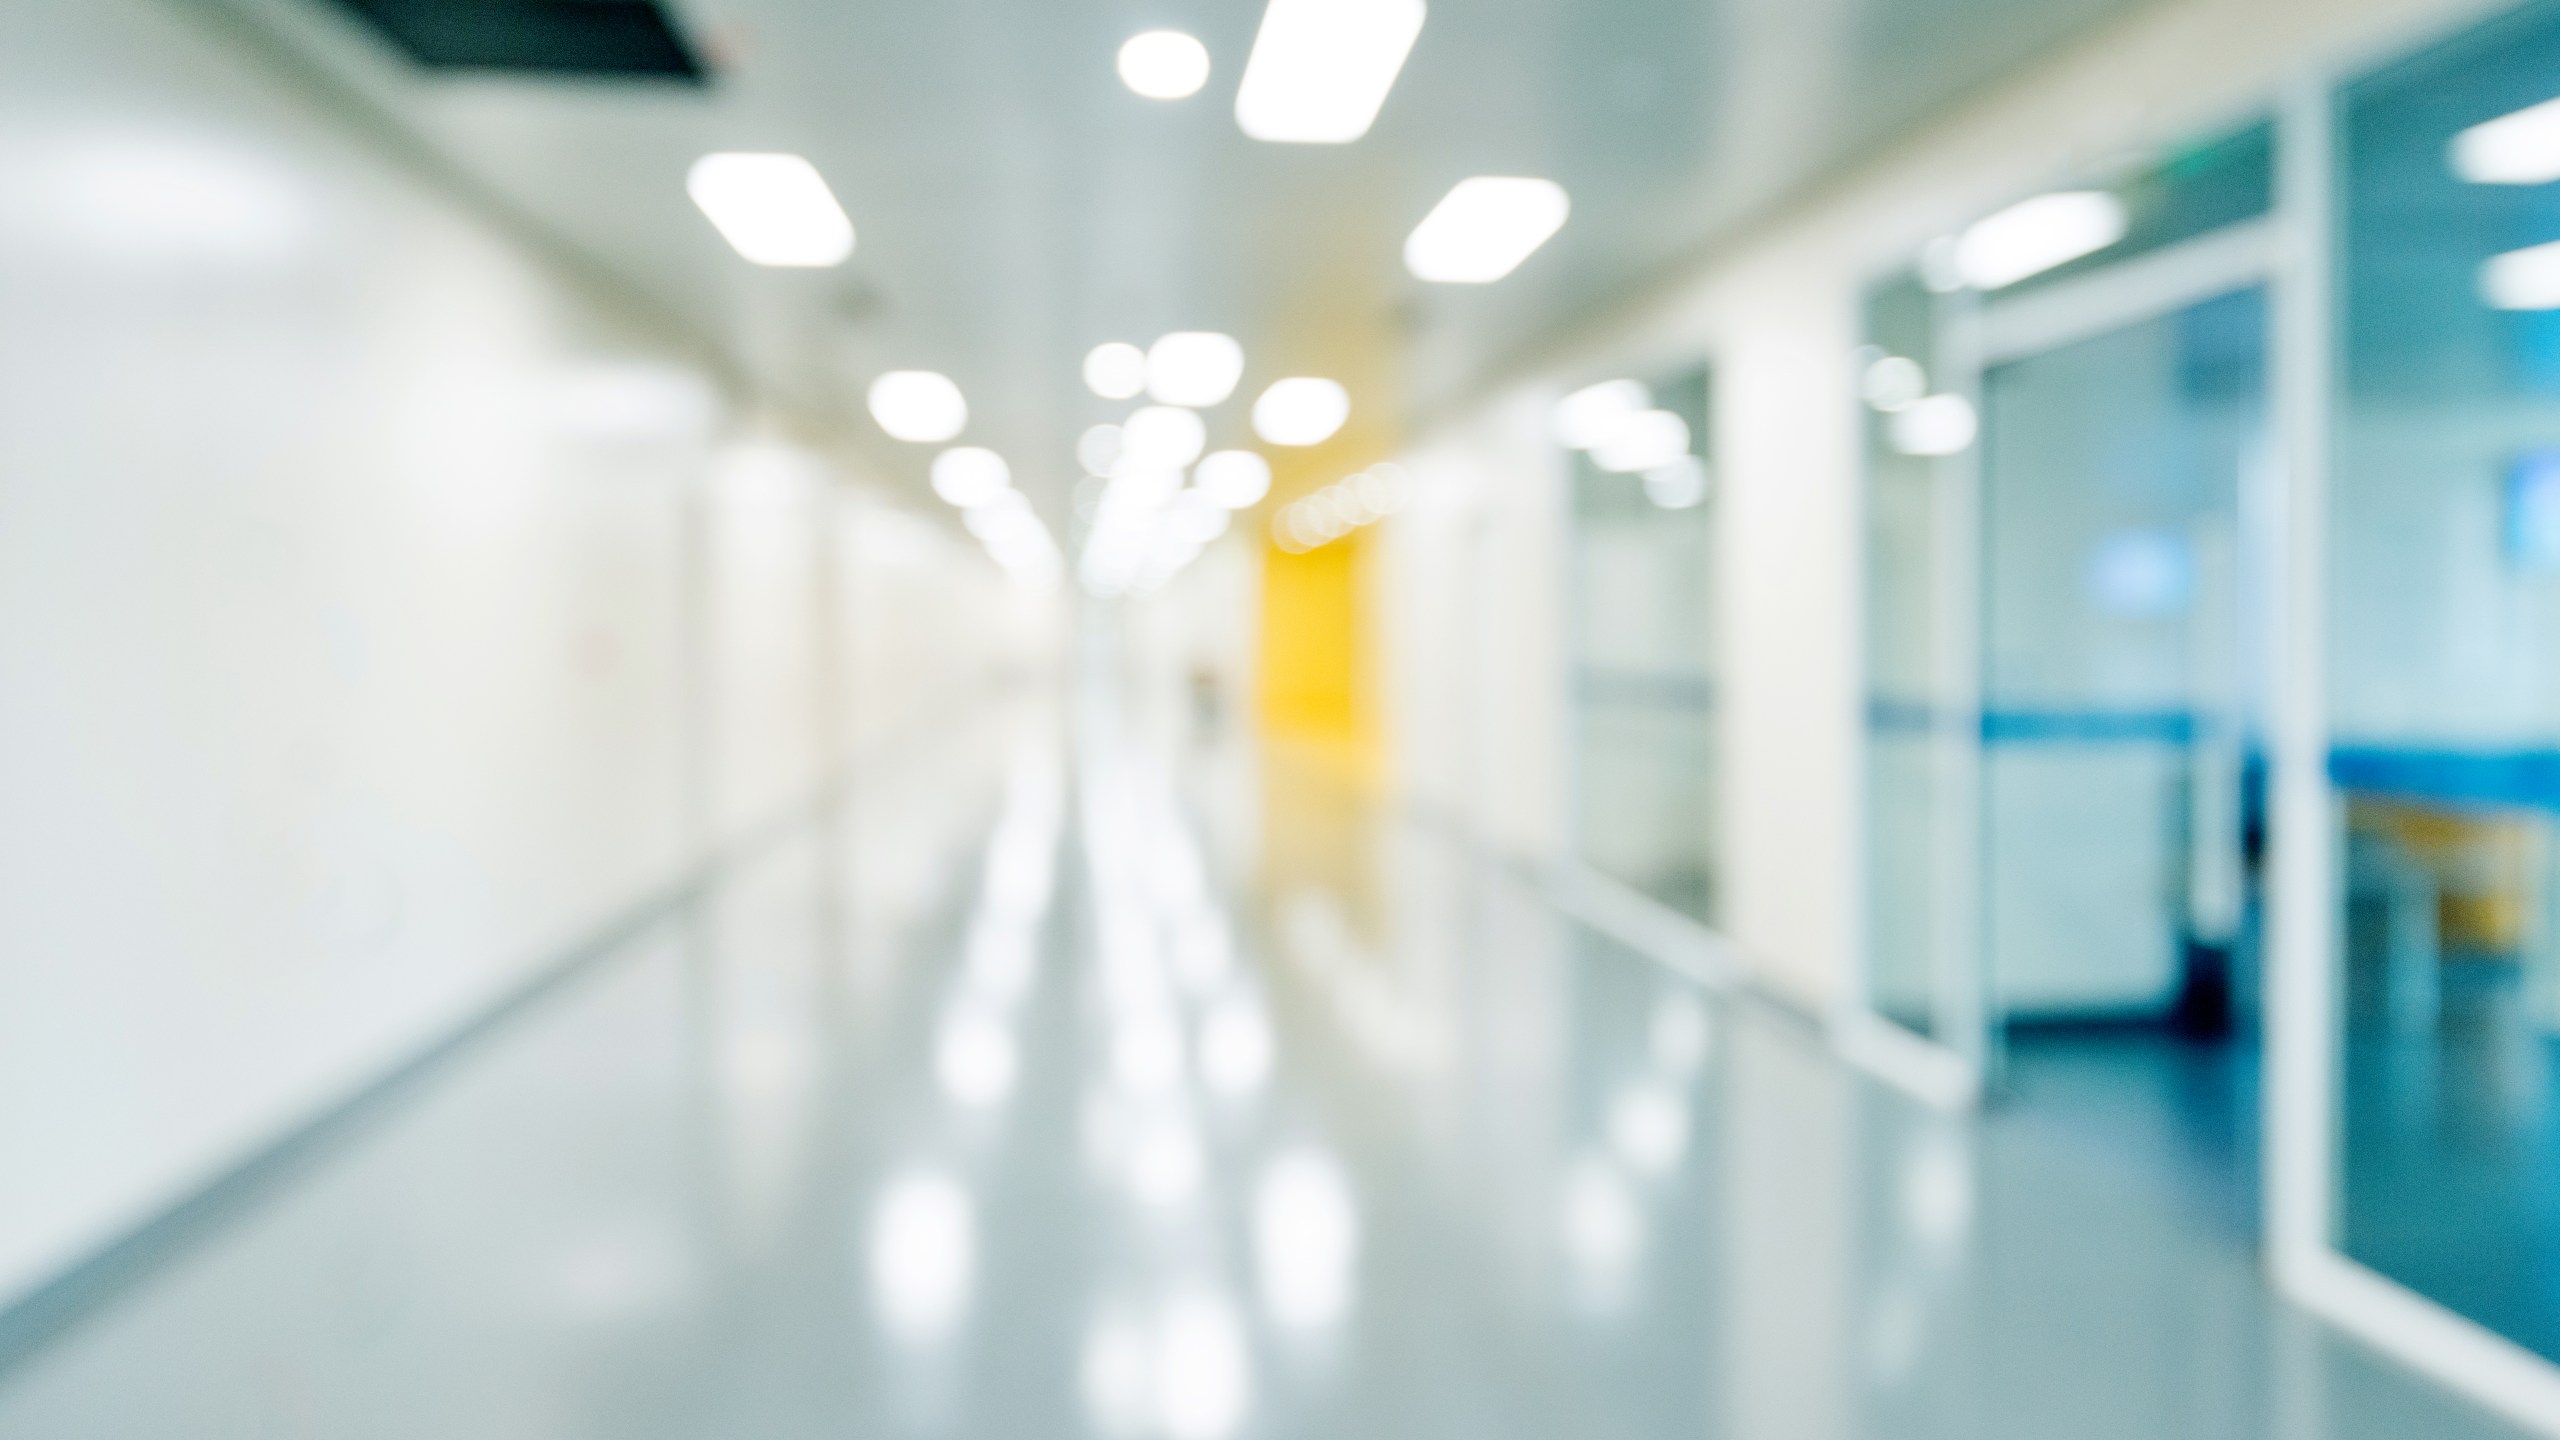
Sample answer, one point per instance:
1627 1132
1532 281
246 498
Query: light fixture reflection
2522 148
1115 1377
1484 227
1643 441
772 209
975 1060
1116 370
1649 1128
1601 1226
1938 425
1680 485
1165 1164
1202 1376
1098 449
1590 417
2527 279
2036 235
1320 69
923 1255
1164 65
919 406
1678 1035
1237 479
1306 1234
1235 1049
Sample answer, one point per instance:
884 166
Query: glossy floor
1150 1095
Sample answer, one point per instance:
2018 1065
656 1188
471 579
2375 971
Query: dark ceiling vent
613 39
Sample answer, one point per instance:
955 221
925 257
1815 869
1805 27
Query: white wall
1775 308
358 636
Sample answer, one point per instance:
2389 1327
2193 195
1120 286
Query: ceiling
1016 205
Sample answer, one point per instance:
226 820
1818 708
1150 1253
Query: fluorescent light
1237 479
2035 235
2518 149
1164 65
1303 410
918 405
1194 367
1482 229
1321 68
1589 416
1644 441
2527 279
772 209
1937 425
1161 437
968 476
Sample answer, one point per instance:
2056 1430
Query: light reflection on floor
1025 1097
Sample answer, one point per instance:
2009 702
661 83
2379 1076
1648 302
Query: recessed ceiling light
1162 437
1116 370
1237 479
1321 68
772 209
968 476
1164 65
2034 236
918 405
1484 227
1302 410
1194 367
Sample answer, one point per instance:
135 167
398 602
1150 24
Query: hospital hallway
1032 1087
1241 719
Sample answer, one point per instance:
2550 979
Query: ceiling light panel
1161 437
1302 410
1116 370
1484 227
773 209
1164 65
968 476
1321 68
1194 368
918 406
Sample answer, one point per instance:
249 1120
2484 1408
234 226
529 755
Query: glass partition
2444 640
1643 654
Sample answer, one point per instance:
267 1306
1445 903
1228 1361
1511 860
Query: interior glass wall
1643 658
1919 683
2122 478
2068 482
2445 675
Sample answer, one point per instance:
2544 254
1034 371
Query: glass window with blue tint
1643 681
1914 715
2445 673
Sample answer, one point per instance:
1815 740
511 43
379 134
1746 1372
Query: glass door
2122 794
